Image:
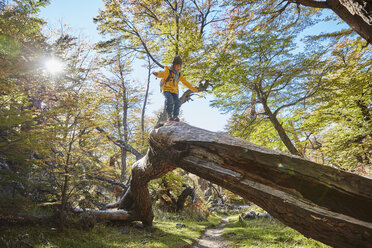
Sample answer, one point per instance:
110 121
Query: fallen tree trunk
105 214
323 203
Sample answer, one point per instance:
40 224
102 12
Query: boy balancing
169 84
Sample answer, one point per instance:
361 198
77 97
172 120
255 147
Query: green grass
265 233
165 233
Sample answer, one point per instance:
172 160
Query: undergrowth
168 231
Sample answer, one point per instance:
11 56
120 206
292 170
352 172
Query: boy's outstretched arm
161 74
187 84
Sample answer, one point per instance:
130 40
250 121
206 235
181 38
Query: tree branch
311 3
122 144
188 93
134 31
295 102
107 180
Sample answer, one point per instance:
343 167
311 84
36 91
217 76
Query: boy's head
177 62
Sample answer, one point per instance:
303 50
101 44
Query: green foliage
50 148
261 14
321 97
262 82
21 48
163 30
122 103
69 152
165 190
9 46
341 114
166 233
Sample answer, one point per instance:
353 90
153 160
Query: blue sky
78 14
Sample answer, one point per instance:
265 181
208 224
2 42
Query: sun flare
54 66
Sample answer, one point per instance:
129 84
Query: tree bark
124 97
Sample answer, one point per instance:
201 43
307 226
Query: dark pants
172 104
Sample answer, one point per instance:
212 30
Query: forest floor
212 237
175 233
169 231
265 233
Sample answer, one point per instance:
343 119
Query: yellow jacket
170 85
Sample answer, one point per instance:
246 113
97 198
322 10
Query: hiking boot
170 119
176 119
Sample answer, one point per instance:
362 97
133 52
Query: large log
321 202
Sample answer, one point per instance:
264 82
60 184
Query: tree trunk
105 215
146 95
188 191
321 202
124 117
279 128
355 14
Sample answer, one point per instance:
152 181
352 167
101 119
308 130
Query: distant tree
22 85
263 81
124 96
340 120
69 151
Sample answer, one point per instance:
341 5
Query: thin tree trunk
146 95
65 187
64 200
177 28
278 127
282 133
124 118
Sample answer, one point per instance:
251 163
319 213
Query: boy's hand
155 73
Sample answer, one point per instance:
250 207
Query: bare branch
187 94
122 144
133 30
311 3
309 94
107 180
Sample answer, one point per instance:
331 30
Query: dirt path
212 237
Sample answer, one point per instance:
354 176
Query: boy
170 78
